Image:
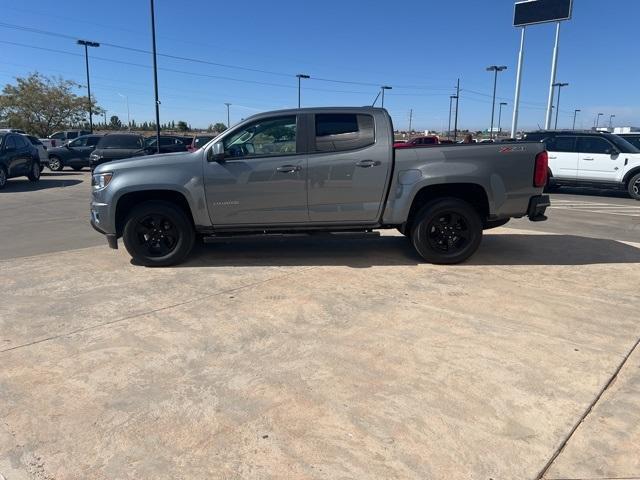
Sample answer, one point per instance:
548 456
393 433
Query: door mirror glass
216 152
614 152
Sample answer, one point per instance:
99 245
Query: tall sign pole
554 68
155 75
516 97
455 123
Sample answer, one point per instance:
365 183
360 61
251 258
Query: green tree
219 127
182 126
115 123
40 105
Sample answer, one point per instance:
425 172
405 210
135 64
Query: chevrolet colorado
317 169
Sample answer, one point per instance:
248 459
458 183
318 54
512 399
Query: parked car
168 144
18 158
13 130
632 138
115 146
317 169
592 159
198 141
42 150
74 154
425 141
58 139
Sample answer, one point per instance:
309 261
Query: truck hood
150 161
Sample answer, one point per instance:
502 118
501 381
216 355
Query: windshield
120 141
622 144
632 139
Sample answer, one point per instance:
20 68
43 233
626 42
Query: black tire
446 231
3 177
55 164
77 169
489 224
633 186
34 172
158 234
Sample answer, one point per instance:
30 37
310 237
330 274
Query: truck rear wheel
158 234
446 231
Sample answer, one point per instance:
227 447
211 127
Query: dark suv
18 157
115 146
74 154
168 144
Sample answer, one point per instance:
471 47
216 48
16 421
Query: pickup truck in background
57 139
312 170
425 141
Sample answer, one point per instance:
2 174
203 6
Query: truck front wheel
446 231
158 234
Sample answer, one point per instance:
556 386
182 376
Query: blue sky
419 48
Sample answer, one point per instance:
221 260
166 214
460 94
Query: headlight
100 180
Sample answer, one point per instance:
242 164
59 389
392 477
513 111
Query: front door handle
588 158
289 168
552 158
368 163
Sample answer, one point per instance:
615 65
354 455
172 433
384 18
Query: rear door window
343 131
562 144
92 141
593 145
72 135
79 142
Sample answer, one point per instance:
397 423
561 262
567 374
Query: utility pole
105 118
87 43
451 97
455 126
155 75
495 69
410 120
300 76
559 85
502 104
228 115
575 114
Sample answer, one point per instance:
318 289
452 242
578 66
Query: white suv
600 160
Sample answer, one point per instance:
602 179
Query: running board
328 235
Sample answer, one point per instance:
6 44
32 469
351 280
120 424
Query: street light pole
87 43
559 85
228 115
575 114
611 117
451 97
126 97
502 104
155 75
383 88
598 119
410 120
300 76
495 69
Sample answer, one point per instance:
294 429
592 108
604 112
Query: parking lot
318 358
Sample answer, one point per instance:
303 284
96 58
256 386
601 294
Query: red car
426 141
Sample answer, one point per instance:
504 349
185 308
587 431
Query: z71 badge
512 149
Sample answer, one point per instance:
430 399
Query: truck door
563 157
348 169
262 179
596 160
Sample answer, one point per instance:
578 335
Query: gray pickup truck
317 170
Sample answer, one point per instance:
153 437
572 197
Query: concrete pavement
319 359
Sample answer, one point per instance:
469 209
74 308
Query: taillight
541 169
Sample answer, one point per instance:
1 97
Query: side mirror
614 152
149 150
216 153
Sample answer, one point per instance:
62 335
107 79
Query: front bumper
112 238
537 207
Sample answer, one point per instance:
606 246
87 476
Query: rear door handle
289 168
368 163
552 158
588 158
